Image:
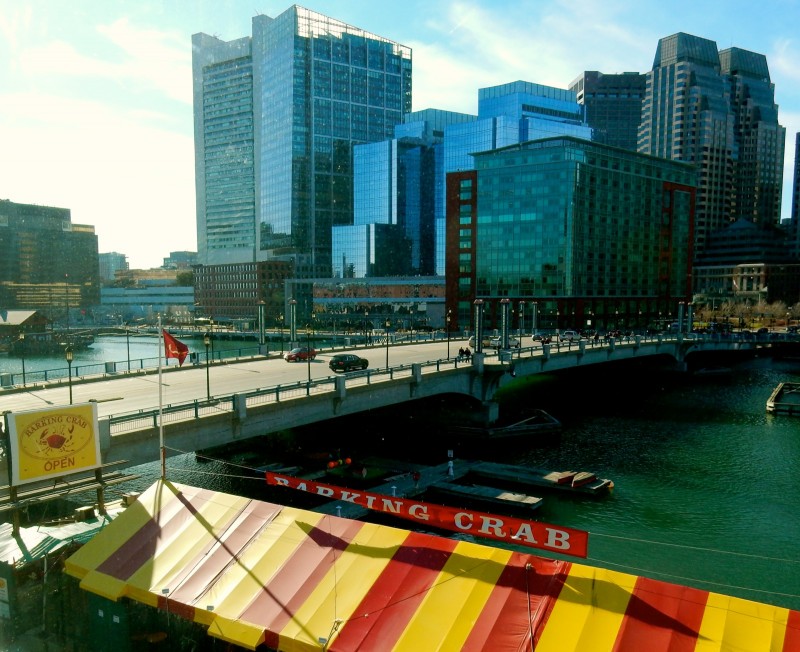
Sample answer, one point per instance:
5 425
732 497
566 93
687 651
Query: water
706 491
140 351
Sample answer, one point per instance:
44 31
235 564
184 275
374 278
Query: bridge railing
145 419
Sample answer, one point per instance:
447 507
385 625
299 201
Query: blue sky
96 95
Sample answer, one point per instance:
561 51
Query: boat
51 342
785 399
490 496
538 423
577 482
713 372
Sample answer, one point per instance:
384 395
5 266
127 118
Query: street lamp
281 324
261 309
68 354
207 342
366 339
128 345
22 352
521 321
388 325
308 351
292 322
447 327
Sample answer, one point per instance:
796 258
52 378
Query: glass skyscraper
613 105
594 235
717 111
276 119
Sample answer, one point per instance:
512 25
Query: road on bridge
128 393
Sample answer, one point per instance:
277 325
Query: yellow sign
53 442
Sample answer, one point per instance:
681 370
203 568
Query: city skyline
97 96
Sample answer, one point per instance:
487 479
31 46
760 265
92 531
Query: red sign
543 536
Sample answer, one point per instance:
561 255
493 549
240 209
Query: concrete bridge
134 437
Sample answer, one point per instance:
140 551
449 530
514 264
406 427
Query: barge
576 482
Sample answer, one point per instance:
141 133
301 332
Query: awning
260 573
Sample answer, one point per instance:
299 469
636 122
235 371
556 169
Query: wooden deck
785 399
487 496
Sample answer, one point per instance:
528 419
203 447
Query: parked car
300 354
569 336
343 362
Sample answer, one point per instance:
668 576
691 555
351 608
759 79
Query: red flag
175 348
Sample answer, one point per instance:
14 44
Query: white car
569 336
513 342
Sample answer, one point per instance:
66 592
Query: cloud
139 59
134 183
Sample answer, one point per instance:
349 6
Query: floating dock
487 496
785 399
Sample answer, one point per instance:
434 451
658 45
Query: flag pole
162 349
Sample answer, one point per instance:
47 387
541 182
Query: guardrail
172 413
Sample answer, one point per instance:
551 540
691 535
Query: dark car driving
343 362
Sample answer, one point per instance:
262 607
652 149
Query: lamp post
281 324
22 351
388 325
261 308
535 307
447 327
478 305
292 322
308 351
128 345
68 354
366 337
207 342
521 321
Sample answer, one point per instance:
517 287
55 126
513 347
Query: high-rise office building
47 263
396 184
110 263
585 234
276 117
716 110
613 105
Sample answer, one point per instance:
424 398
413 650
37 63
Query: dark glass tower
613 105
717 111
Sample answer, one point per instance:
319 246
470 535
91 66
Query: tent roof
259 573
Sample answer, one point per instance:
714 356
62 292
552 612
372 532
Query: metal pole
292 321
22 350
261 308
308 351
388 324
207 342
521 321
478 303
68 354
447 326
128 345
505 305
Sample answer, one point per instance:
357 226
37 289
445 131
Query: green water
707 484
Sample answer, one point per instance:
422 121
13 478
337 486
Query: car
344 362
496 342
300 354
569 336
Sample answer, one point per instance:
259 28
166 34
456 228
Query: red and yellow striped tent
260 574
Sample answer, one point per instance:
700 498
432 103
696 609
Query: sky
96 95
